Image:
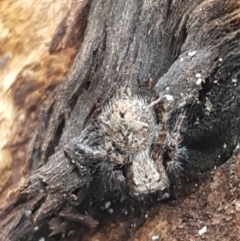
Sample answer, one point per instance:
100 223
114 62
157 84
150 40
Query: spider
135 152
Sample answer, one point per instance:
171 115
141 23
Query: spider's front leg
109 165
78 151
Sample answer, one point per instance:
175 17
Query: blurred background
28 76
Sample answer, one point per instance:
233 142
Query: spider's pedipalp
111 178
173 151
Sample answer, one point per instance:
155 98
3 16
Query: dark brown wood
188 50
71 30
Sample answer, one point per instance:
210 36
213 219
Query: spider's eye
121 114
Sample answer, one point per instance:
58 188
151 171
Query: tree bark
189 50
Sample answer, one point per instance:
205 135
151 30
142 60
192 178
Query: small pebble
198 75
126 212
155 237
202 230
107 204
220 59
36 228
133 225
225 146
181 59
165 196
110 210
42 239
234 80
237 206
192 53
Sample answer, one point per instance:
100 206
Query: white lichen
199 81
169 97
192 53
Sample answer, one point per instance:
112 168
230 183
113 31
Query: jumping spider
136 152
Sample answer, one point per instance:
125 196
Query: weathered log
188 51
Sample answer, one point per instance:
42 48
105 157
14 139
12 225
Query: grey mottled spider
136 152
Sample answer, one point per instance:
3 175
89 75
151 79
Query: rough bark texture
152 47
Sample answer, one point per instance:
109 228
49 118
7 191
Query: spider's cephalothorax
136 154
129 122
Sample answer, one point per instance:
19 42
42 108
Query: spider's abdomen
143 175
130 123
